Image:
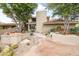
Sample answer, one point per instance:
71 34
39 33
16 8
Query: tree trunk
23 26
66 25
17 25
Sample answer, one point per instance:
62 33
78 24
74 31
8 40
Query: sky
41 8
4 18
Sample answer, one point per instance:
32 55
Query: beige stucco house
7 25
41 23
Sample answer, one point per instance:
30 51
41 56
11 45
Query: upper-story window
33 19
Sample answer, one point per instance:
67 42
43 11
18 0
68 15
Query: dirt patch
49 48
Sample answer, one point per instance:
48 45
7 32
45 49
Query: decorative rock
24 46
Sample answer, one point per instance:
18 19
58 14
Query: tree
19 12
65 10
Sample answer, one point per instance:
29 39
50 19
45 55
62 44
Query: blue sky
4 18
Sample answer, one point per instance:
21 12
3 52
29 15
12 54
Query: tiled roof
7 24
59 22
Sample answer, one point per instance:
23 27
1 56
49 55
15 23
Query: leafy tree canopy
64 9
22 11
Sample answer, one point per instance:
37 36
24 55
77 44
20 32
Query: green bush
74 30
58 28
52 30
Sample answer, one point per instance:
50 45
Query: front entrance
31 27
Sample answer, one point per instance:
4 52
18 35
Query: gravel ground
65 39
58 45
52 47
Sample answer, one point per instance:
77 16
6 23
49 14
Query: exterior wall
6 27
41 17
30 20
47 28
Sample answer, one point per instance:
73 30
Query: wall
47 28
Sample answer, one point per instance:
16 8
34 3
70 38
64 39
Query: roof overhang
60 23
7 24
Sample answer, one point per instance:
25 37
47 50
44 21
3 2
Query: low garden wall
9 39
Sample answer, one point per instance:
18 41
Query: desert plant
7 51
14 45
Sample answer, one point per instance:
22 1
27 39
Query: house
7 25
41 23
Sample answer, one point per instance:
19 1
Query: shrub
10 53
74 30
46 34
52 30
57 28
31 33
7 51
14 45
